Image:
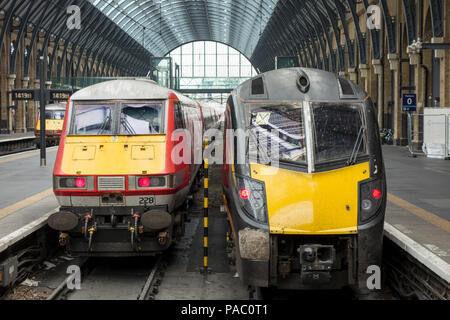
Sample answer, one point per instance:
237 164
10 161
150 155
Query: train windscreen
93 119
339 131
141 118
276 133
55 114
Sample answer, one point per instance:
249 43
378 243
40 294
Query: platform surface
25 189
419 198
16 136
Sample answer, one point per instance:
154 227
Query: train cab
54 121
125 163
304 181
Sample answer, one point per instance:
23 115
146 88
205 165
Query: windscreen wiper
124 122
104 124
354 155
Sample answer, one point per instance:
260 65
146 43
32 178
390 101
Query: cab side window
179 118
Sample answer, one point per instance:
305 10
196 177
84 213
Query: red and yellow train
130 152
54 121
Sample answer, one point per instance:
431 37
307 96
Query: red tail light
244 193
376 194
144 182
80 182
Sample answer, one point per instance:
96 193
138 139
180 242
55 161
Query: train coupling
316 263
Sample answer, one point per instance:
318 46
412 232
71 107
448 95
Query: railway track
102 279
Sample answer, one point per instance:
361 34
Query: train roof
124 89
55 107
288 85
213 105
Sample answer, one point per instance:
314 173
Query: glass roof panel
170 23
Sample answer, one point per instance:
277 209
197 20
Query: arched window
210 65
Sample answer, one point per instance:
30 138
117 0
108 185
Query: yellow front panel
51 124
111 155
83 153
143 152
317 203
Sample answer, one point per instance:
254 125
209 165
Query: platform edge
419 252
23 232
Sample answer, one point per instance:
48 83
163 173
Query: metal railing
428 134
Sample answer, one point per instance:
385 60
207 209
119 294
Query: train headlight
146 182
80 182
244 193
252 198
73 183
376 194
371 197
366 205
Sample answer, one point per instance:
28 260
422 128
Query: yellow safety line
25 203
421 213
22 156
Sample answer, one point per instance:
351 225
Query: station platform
26 189
16 136
419 199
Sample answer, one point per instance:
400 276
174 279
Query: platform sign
409 102
34 94
60 95
23 94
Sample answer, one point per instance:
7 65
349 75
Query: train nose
63 221
156 220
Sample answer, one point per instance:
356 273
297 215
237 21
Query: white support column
11 124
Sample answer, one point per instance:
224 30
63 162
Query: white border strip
11 155
17 139
26 230
423 255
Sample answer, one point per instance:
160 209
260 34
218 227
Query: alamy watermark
74 280
234 146
74 19
374 280
373 17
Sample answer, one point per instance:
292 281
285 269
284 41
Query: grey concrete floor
422 181
425 183
22 177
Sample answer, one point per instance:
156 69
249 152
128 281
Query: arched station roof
165 25
260 29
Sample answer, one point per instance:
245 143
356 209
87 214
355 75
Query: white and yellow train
306 203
